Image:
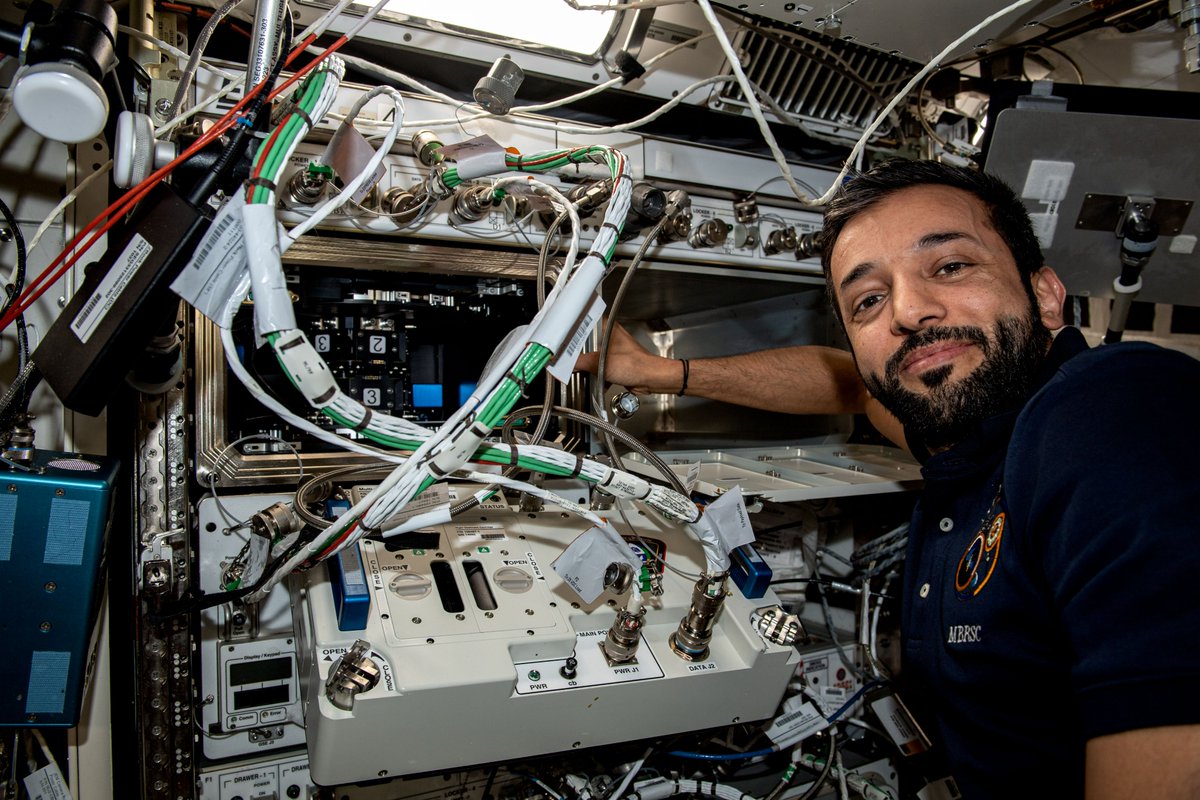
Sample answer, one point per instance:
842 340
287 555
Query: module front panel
480 652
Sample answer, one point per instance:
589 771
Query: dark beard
1004 380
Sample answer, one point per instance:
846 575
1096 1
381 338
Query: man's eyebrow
935 239
855 274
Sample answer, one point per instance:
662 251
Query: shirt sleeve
1102 474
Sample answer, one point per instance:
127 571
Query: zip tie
259 180
300 112
364 422
520 382
578 466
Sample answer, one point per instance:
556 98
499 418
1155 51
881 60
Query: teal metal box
54 520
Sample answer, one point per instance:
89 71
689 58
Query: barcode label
87 310
213 274
218 229
123 270
798 724
563 366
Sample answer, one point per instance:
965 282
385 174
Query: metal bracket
1108 212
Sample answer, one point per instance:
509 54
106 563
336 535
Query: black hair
1006 212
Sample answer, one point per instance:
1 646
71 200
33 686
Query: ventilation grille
73 464
810 79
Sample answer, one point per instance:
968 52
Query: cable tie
597 254
513 455
259 180
368 530
623 175
520 382
364 422
300 112
578 466
437 471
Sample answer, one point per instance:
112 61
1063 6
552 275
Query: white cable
335 68
903 93
200 106
549 124
322 23
171 49
66 201
661 788
650 62
634 769
769 138
261 395
400 77
366 18
630 6
352 186
735 64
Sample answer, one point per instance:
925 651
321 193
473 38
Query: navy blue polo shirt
1051 562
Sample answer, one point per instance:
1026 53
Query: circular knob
624 405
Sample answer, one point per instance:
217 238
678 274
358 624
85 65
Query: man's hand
630 365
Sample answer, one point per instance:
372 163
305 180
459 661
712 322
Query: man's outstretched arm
805 379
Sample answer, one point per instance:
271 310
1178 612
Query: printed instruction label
47 784
585 563
434 498
479 533
123 269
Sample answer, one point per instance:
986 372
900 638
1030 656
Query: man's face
942 328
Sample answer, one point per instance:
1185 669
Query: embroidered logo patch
977 563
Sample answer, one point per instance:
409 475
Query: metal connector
351 675
690 640
621 644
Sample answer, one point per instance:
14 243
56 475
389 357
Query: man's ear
1050 294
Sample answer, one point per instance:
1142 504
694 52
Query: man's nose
915 306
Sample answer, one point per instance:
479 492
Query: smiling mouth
934 356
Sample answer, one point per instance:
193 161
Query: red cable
58 267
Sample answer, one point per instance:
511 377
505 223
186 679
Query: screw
45 626
50 586
59 492
162 107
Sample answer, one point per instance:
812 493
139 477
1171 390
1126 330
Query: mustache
966 333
